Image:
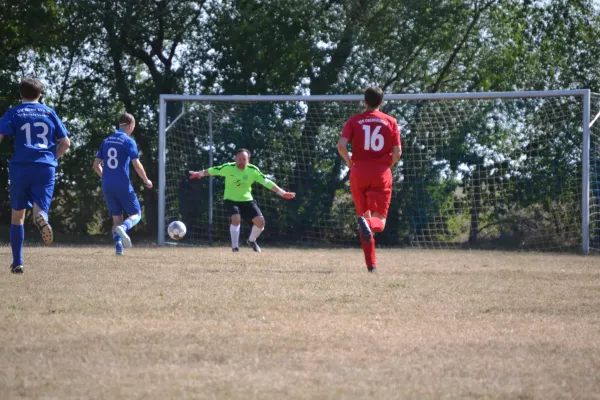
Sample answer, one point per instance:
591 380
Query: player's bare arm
342 148
139 168
396 154
283 193
98 166
62 146
198 174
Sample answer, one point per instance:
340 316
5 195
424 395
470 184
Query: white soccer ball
177 230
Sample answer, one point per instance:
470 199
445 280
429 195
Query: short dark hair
373 96
30 88
238 151
125 119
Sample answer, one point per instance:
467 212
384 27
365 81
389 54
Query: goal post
486 170
594 173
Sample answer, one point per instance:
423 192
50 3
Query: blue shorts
31 183
121 200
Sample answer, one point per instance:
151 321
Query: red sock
376 224
369 250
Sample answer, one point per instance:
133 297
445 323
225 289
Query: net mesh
498 173
595 174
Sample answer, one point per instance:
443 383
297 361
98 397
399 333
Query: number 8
112 161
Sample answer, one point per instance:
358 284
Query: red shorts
371 187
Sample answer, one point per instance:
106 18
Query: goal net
594 222
487 170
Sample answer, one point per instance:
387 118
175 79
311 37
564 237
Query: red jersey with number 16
373 134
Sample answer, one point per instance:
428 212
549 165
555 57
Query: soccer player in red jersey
375 140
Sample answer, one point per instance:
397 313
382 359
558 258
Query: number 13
373 141
27 129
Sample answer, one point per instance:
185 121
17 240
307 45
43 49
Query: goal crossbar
393 97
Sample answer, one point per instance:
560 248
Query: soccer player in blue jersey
40 139
116 152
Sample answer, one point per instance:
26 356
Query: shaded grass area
286 323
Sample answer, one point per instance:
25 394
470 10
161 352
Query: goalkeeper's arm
198 174
282 193
269 184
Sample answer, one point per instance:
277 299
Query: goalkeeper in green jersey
239 177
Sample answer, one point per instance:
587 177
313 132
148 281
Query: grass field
313 324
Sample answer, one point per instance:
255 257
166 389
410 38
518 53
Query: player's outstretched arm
98 166
139 168
272 186
283 193
198 174
342 148
62 146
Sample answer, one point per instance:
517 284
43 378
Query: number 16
373 141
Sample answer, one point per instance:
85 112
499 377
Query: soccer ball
177 230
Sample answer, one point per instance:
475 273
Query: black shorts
247 209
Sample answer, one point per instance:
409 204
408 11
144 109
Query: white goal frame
585 94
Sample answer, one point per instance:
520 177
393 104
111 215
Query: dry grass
206 323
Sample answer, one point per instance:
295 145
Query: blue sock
17 236
116 238
130 223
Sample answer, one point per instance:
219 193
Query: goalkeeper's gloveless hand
195 175
289 195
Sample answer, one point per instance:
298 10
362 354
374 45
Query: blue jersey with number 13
35 128
117 151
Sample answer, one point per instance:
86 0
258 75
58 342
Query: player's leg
40 219
234 231
131 205
117 220
369 252
359 196
360 181
115 210
234 228
379 198
119 248
376 222
42 189
122 229
17 237
258 226
20 182
378 202
253 213
367 241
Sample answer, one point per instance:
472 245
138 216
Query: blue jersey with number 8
117 151
35 128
